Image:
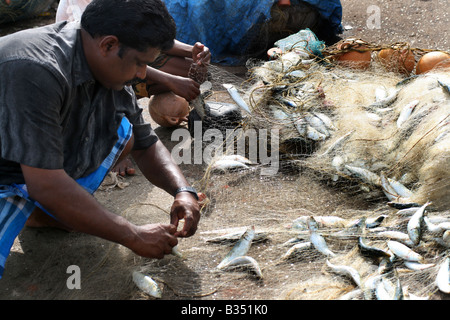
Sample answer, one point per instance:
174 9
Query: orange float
356 57
433 60
401 60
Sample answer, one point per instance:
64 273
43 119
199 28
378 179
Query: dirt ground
37 266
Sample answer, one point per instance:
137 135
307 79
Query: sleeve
30 108
144 135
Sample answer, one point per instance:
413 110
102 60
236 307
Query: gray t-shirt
53 114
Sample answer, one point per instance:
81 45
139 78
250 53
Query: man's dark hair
138 24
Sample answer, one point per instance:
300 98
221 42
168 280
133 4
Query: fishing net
317 176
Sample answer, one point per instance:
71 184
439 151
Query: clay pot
168 109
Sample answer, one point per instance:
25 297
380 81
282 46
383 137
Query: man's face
119 71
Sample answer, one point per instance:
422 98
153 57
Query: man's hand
184 87
153 240
185 207
201 54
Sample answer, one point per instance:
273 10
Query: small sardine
346 271
406 112
415 225
417 266
244 262
436 228
446 238
224 165
296 250
384 102
370 286
147 284
445 86
375 222
354 294
365 175
443 276
394 190
386 290
394 235
233 237
403 252
407 212
336 144
176 252
235 157
317 240
236 97
301 223
240 248
370 250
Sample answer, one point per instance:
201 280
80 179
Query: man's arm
73 206
157 165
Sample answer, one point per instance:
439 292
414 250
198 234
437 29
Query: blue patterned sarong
16 205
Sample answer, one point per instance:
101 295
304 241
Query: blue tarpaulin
222 25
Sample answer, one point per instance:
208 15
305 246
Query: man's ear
109 44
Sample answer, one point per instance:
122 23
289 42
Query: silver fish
224 165
415 225
394 190
233 237
354 294
365 175
235 157
236 97
407 211
370 286
445 86
443 276
446 238
176 252
370 250
244 262
320 122
385 102
386 290
317 240
406 112
336 144
416 266
240 248
301 223
436 228
395 235
346 271
402 251
146 284
296 250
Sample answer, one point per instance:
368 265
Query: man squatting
68 114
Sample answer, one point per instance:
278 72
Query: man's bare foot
124 167
39 219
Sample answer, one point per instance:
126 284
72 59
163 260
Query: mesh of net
318 178
312 180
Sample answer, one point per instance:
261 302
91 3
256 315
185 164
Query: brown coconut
168 109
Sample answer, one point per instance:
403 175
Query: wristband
187 189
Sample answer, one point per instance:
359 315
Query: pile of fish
301 96
391 248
